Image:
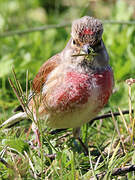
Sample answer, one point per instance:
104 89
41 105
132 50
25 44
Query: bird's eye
74 42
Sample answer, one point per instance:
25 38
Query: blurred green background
29 51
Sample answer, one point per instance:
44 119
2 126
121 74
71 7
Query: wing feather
45 69
41 78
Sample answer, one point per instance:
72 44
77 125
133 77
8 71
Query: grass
110 141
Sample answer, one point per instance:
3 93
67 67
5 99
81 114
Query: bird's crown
87 30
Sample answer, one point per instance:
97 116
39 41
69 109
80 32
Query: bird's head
86 33
86 41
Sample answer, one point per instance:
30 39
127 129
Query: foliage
28 52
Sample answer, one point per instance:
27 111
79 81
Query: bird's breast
74 89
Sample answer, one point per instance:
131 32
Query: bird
74 85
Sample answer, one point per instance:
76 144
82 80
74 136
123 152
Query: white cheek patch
67 56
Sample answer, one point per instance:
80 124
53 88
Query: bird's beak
86 48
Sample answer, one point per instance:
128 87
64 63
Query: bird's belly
79 99
72 119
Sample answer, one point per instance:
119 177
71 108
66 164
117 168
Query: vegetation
110 141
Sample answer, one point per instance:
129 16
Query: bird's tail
14 119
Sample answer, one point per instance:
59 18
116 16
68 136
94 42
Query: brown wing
41 77
45 69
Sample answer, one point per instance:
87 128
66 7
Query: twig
116 172
116 22
30 30
55 26
123 170
109 115
5 163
